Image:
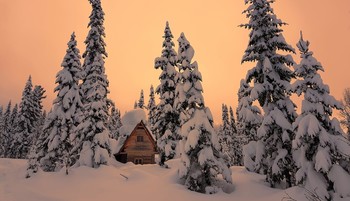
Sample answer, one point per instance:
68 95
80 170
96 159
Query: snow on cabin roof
130 120
134 117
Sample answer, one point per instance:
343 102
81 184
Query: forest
265 134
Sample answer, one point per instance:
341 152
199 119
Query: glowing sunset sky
34 34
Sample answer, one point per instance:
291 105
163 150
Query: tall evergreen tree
200 159
232 121
14 115
167 123
62 120
7 114
321 151
135 105
225 138
151 110
225 117
38 96
92 141
237 141
13 126
6 131
224 128
22 139
141 103
271 78
14 118
231 143
114 122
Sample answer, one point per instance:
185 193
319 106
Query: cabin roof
122 142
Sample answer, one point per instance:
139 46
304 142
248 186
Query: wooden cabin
139 147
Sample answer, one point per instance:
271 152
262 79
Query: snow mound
249 154
134 117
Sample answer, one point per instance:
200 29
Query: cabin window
139 138
138 161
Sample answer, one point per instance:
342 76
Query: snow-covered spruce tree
321 151
38 123
151 110
248 115
141 102
13 126
232 121
200 159
271 84
62 120
14 118
225 138
167 118
22 139
114 122
224 127
248 121
92 141
5 131
38 96
135 105
237 141
225 118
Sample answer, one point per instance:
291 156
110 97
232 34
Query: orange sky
34 34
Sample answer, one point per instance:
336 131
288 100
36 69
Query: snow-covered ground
145 182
